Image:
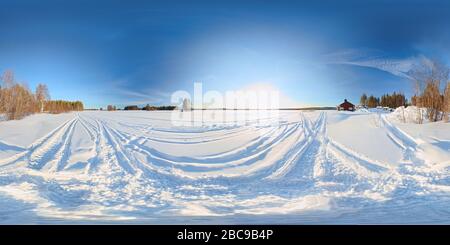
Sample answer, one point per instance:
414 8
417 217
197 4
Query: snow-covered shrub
410 114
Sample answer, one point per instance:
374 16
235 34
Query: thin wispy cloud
376 59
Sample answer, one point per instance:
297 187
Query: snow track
135 166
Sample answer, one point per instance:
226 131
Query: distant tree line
393 100
370 101
60 106
18 101
159 108
149 108
131 108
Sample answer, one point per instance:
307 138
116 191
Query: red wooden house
346 106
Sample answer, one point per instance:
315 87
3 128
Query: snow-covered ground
302 167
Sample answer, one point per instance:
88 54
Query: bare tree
5 92
8 79
42 95
111 108
428 71
427 76
447 101
19 102
363 100
433 101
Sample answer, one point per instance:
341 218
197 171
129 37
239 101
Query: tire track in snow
52 150
41 146
412 169
129 147
340 151
93 133
294 156
211 136
354 160
251 148
133 165
350 173
313 165
242 157
121 158
106 156
60 159
403 140
306 167
253 145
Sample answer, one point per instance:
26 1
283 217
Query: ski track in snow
290 172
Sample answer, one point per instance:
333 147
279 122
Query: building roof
346 103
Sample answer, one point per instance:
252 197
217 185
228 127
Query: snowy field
300 167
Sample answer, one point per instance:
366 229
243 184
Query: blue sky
139 52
